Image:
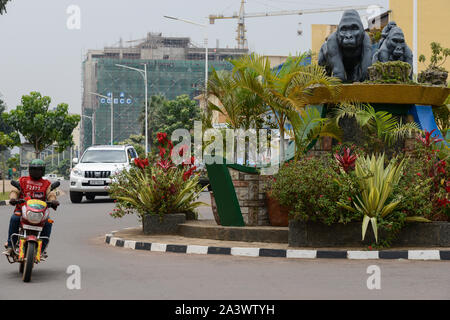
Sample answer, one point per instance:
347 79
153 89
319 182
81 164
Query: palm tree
382 124
308 125
241 107
284 90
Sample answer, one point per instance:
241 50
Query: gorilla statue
348 52
394 48
385 32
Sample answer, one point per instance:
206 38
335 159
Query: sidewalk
133 238
199 243
8 186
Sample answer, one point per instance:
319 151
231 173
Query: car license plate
96 182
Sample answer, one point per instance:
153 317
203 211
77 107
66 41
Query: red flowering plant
428 140
424 188
158 189
346 158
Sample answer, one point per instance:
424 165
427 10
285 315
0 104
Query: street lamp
92 123
206 48
143 73
112 111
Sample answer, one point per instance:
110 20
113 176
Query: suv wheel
76 197
90 196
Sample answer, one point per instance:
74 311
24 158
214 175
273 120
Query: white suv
92 174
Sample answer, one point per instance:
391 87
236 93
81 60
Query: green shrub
312 187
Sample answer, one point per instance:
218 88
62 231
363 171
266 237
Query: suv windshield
104 156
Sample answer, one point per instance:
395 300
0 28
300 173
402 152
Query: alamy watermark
73 282
257 148
374 281
74 19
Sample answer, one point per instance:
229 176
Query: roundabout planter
214 208
278 214
168 224
310 234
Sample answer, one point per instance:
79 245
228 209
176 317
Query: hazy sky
39 53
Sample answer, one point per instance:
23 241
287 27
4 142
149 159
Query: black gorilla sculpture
385 32
394 48
348 52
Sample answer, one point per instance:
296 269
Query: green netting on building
170 78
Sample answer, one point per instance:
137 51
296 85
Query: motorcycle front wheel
21 266
29 261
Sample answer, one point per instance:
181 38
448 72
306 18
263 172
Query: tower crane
241 30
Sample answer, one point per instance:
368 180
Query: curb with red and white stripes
279 253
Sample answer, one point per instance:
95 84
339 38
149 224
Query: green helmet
36 169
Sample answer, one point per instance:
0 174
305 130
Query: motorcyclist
35 187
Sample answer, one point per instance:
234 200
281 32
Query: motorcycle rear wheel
29 261
21 266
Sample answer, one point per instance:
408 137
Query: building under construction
175 66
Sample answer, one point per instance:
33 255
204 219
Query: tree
3 6
41 126
155 103
308 125
241 107
3 126
14 162
284 90
167 116
8 140
138 142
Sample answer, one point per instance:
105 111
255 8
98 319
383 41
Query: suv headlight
77 172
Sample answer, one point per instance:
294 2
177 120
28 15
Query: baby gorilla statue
394 48
347 54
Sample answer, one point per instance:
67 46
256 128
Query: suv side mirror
75 160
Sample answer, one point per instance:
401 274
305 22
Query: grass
4 196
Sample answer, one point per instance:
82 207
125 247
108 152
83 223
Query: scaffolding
169 78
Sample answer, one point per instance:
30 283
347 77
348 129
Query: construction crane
241 30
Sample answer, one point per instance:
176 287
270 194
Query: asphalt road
117 273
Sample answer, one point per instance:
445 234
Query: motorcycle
27 244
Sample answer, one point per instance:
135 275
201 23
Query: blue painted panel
423 115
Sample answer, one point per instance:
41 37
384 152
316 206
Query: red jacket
35 189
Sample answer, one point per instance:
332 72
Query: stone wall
250 191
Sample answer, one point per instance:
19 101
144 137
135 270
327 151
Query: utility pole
143 73
415 37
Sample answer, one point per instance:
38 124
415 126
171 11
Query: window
131 154
104 156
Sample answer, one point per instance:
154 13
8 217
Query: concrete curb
279 253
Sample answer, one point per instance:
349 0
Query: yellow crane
241 30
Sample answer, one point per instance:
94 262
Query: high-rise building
175 66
